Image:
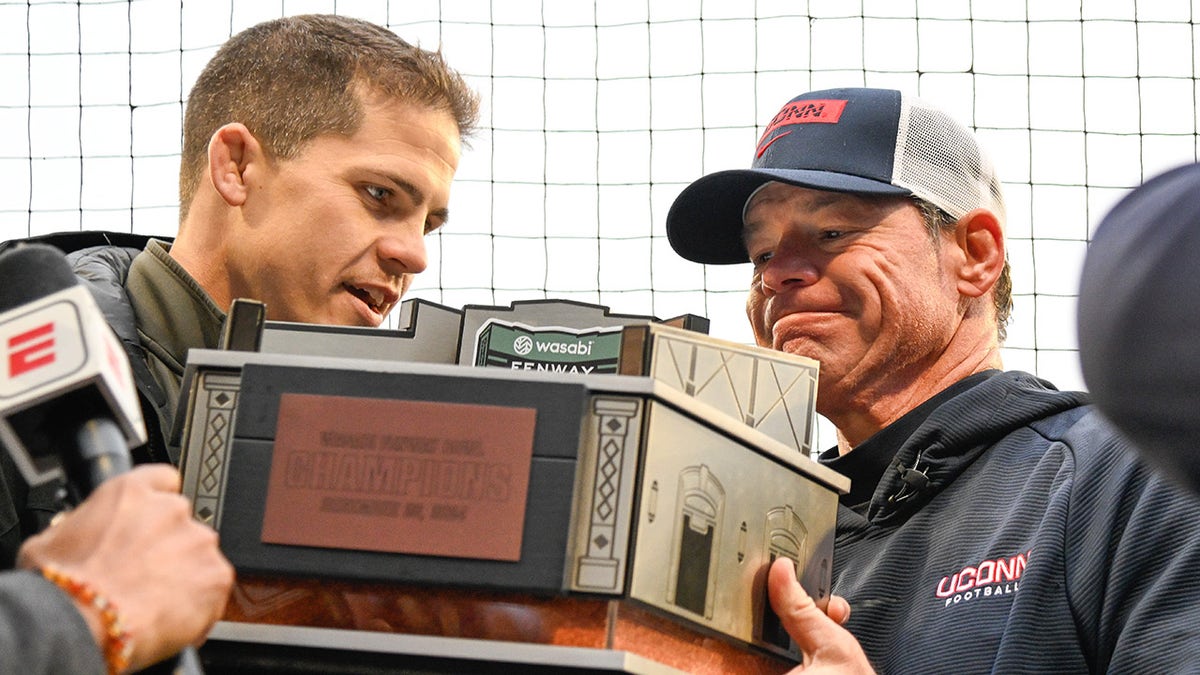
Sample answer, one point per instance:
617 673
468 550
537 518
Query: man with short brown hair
318 154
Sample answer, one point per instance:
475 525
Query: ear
980 238
231 150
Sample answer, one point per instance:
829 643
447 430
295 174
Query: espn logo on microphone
31 350
59 360
41 346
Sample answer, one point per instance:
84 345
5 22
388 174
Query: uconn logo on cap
824 111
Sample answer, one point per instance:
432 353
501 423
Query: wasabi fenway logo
523 345
555 349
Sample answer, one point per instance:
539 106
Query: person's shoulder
1090 432
1101 466
1068 418
81 241
1014 399
103 264
1106 462
95 256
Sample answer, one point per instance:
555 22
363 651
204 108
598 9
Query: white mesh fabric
939 160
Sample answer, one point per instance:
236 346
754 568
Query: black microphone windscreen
32 271
1139 318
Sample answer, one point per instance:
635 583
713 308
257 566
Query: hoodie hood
958 432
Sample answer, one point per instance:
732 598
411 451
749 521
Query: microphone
67 399
1139 318
68 405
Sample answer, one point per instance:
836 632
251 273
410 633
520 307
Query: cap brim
704 223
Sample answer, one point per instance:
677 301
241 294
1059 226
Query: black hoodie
1015 531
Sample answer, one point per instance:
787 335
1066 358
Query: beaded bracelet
118 644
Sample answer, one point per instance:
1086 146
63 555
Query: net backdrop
596 114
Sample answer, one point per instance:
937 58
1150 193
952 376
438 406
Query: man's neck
199 253
874 408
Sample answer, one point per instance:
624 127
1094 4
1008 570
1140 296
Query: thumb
826 646
805 622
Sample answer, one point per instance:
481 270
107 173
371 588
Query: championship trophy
564 490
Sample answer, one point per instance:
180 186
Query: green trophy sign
553 349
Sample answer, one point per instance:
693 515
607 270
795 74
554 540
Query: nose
788 269
402 250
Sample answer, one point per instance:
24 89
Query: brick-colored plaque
424 477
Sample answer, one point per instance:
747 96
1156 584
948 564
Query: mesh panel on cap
939 160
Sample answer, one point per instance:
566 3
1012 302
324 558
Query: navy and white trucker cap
859 140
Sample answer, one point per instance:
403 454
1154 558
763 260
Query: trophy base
275 623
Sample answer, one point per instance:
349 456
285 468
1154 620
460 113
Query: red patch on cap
824 111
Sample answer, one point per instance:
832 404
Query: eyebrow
418 197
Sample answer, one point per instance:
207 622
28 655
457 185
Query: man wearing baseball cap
994 523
